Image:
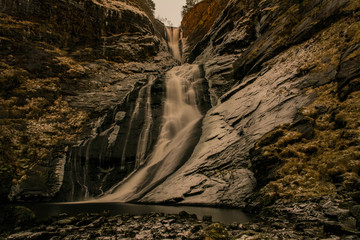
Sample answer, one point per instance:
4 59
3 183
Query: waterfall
133 148
142 146
176 139
145 134
174 40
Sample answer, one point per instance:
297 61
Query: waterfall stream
179 122
174 40
178 134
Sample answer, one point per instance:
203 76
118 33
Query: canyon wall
283 79
71 73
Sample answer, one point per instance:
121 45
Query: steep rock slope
65 65
283 78
197 22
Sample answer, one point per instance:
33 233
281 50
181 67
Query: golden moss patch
30 139
216 231
318 166
34 118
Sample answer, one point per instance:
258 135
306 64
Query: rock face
197 22
265 62
71 74
282 133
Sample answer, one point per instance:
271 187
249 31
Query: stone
355 211
184 214
349 223
235 226
21 235
355 196
207 218
336 212
332 227
66 221
349 70
19 216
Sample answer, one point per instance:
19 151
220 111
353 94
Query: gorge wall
71 74
82 109
283 123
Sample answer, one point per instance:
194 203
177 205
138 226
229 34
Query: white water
174 37
180 119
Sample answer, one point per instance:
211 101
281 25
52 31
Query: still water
223 215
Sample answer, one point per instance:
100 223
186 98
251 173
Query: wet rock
42 235
348 72
349 224
234 226
196 228
231 128
184 214
66 221
18 216
259 62
21 235
336 212
207 218
216 231
355 196
355 211
332 227
154 226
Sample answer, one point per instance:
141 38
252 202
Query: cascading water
179 129
142 146
177 136
174 41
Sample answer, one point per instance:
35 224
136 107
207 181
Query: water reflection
223 215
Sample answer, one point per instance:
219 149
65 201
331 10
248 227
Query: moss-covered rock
325 164
216 231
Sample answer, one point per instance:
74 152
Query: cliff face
65 65
197 22
284 81
82 84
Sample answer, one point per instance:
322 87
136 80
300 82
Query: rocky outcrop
81 22
266 62
69 72
113 149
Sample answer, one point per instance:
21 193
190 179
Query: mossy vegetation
34 118
216 231
326 164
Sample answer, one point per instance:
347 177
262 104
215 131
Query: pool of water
223 215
